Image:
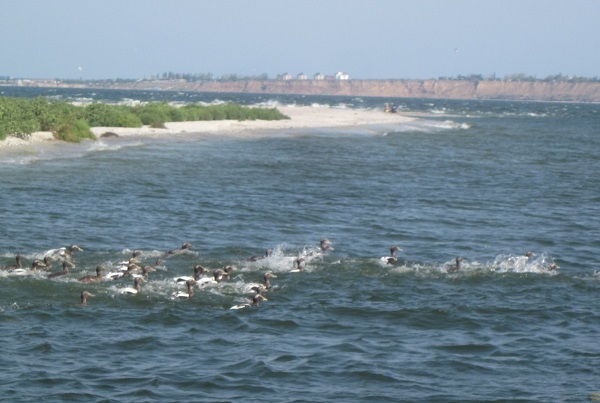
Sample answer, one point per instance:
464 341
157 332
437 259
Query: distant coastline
562 91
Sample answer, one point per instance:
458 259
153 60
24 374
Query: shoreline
301 117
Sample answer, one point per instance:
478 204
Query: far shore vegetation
20 117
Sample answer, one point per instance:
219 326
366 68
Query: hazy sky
365 38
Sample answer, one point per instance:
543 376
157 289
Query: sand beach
301 117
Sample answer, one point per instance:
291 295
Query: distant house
285 76
342 76
319 76
302 76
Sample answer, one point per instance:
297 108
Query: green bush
74 131
58 113
21 117
17 118
157 125
156 113
104 115
153 113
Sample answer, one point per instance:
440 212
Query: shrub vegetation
20 117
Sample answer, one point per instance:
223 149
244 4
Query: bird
222 274
44 264
184 248
94 279
393 258
256 300
157 264
144 274
268 253
18 265
64 271
267 280
456 266
190 291
124 265
131 268
519 263
65 252
198 271
137 287
84 297
325 245
266 285
299 264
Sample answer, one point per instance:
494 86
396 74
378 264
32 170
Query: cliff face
447 89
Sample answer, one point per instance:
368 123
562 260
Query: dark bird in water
256 300
84 297
44 264
66 264
393 258
222 274
268 253
147 269
131 268
266 285
94 279
184 248
299 264
267 280
325 245
456 266
190 284
199 270
18 265
137 286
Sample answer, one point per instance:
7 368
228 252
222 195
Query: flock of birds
135 270
202 277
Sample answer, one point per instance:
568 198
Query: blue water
485 181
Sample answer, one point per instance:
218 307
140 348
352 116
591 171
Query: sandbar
301 117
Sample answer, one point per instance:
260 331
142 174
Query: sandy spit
301 117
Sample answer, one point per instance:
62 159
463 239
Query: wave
39 152
422 126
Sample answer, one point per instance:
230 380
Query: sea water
483 181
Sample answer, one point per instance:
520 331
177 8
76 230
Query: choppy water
486 181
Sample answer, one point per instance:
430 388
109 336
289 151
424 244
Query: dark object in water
109 134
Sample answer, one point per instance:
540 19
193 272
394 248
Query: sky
367 39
